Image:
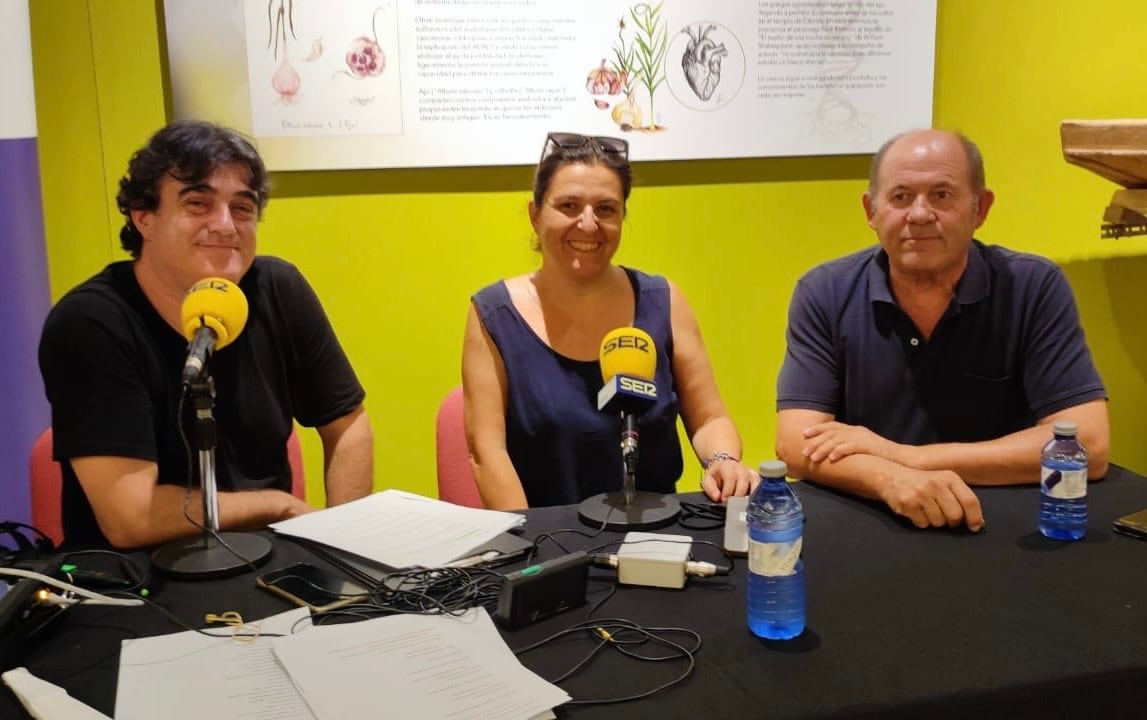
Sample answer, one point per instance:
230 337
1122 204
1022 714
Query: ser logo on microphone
638 387
625 341
212 284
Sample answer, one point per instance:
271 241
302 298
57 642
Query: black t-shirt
111 369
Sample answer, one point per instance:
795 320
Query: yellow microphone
214 313
628 351
628 360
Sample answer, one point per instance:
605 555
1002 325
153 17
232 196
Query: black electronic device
542 590
311 586
1134 525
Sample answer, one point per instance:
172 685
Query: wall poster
413 83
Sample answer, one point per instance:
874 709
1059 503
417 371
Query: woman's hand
726 478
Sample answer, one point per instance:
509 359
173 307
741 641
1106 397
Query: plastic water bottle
776 571
1063 485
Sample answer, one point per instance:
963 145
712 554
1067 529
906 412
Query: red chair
47 482
456 482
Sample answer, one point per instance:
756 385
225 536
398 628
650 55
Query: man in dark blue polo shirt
933 362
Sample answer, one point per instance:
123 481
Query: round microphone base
648 511
204 557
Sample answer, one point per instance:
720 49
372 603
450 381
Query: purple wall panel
24 301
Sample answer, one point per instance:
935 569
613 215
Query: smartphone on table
1134 525
311 586
736 530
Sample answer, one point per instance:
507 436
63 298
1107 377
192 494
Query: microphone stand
212 554
630 509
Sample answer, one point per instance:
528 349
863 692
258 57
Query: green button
68 567
532 570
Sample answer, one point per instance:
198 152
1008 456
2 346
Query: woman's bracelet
718 457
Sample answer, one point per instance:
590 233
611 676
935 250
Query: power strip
653 559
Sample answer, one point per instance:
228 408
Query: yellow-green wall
395 254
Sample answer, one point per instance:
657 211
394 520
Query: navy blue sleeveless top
563 448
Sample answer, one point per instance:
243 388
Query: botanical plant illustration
316 50
627 113
649 42
365 57
622 58
280 19
602 80
701 61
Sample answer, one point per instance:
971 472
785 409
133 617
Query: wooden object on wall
1116 150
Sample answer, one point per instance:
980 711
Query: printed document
189 676
415 666
401 529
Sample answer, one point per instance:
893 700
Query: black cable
187 626
550 536
598 603
622 635
137 578
424 591
701 516
623 541
721 569
42 543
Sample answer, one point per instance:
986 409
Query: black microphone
214 313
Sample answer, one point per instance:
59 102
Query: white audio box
653 559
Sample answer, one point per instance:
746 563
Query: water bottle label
1064 484
774 559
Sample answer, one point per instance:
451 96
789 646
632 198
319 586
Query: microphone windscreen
628 351
216 303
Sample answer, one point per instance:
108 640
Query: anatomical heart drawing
705 67
701 61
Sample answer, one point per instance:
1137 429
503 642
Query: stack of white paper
401 529
403 666
188 676
415 666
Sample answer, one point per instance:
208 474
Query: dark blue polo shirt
1009 350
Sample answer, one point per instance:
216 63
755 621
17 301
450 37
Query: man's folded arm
860 474
1014 458
133 509
929 498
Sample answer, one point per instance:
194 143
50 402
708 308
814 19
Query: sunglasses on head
570 141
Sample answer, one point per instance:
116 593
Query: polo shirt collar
976 282
973 286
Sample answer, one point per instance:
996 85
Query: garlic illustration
316 50
365 57
286 82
